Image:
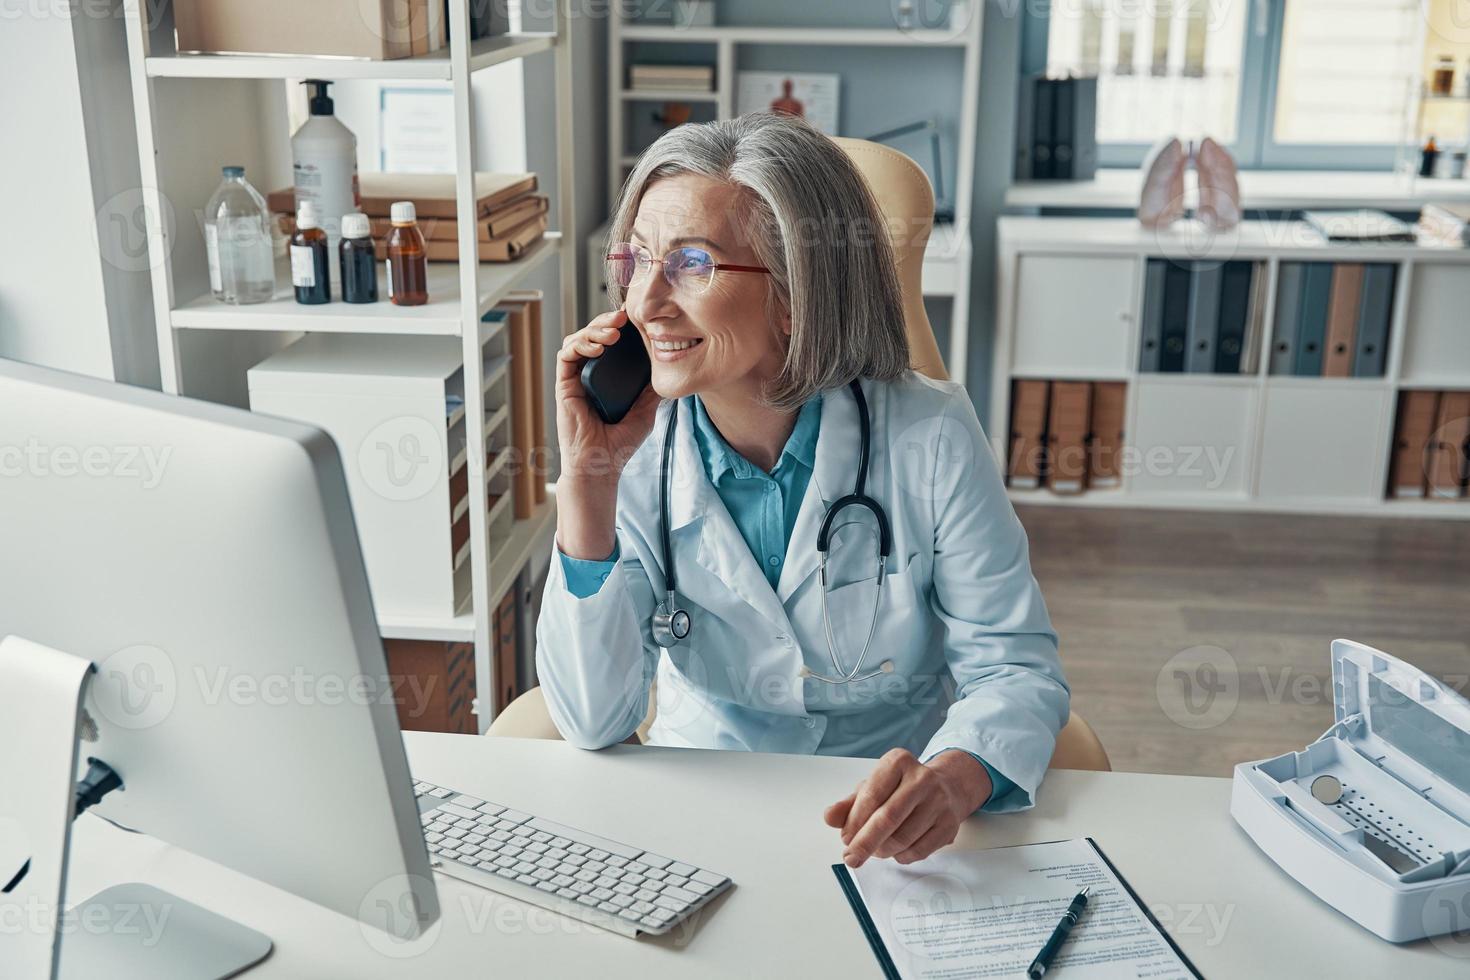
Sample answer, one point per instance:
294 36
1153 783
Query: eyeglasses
688 270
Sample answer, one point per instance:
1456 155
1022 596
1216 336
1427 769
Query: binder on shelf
1066 438
507 683
1447 447
1104 463
1342 320
1063 122
521 417
540 451
1288 317
1236 300
433 685
1409 463
1025 126
1042 164
1255 327
1312 335
1151 343
1175 328
1204 318
1375 311
1030 401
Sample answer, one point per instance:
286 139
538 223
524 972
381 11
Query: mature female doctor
752 260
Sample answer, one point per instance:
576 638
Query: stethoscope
671 623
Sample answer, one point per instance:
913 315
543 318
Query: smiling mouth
675 345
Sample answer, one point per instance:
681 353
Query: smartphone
614 380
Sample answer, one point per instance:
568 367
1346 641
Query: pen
1042 963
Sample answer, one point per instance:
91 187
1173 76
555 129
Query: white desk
758 819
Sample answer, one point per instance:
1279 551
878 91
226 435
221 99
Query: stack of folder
527 401
1332 319
510 215
1056 136
660 78
1201 317
1066 435
1431 445
1444 224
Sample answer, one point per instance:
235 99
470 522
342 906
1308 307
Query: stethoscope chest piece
671 623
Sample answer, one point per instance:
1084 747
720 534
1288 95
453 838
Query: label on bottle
303 266
211 248
389 263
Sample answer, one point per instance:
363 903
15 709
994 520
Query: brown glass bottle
310 275
408 267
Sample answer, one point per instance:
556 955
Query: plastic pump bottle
324 163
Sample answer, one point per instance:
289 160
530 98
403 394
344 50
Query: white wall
74 251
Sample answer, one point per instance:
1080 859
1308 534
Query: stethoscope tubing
669 613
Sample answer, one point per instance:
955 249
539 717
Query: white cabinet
1322 440
1437 341
395 406
1074 316
1192 436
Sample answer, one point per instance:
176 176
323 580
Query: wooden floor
1193 641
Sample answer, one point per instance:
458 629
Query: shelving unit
1296 444
947 260
196 113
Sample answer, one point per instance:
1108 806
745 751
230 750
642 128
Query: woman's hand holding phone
593 453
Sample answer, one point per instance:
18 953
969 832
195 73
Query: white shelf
436 65
1259 190
668 95
851 36
508 556
441 316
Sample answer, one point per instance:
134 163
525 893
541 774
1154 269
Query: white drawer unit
1321 440
1075 314
395 407
1236 434
1437 348
1191 437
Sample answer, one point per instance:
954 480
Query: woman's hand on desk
907 809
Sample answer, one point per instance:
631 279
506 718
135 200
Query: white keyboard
618 887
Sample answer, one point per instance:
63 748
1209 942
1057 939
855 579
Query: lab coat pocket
896 614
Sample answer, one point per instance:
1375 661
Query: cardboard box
377 30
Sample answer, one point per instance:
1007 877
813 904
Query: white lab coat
962 619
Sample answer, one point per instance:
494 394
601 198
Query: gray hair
812 220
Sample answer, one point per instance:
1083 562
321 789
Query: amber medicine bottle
408 268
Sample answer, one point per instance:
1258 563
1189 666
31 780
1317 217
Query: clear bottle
237 239
310 270
408 270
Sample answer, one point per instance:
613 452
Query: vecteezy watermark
928 907
1210 466
127 222
144 464
402 458
1446 919
391 914
1199 688
144 920
224 685
934 21
136 687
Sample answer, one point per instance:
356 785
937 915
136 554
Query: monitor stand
126 931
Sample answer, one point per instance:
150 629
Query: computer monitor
205 559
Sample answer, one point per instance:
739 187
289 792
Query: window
1164 67
1348 71
1324 84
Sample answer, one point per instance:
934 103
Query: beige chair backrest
906 199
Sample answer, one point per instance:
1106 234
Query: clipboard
885 959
